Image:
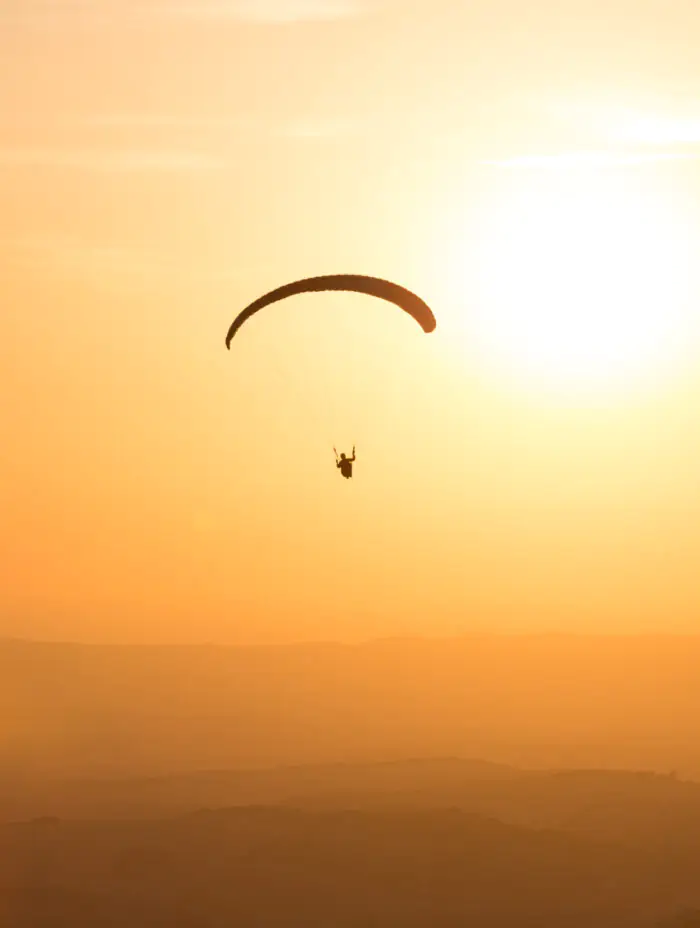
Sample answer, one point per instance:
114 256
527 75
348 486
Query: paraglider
344 464
359 283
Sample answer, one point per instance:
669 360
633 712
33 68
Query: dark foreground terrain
419 843
267 867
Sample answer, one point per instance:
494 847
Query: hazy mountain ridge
569 701
182 793
428 842
640 809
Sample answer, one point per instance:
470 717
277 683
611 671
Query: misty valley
160 787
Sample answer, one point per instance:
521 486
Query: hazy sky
530 169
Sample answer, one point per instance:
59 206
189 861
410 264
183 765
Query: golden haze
529 170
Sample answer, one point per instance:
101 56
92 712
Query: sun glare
577 280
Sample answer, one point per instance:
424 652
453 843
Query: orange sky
529 169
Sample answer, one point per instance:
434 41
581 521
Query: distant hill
541 701
431 782
639 809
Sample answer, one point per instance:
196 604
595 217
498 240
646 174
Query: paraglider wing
373 286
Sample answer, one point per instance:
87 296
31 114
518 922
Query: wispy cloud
587 159
51 12
75 257
218 129
319 130
235 11
674 121
267 11
302 128
658 130
261 126
10 8
126 161
174 121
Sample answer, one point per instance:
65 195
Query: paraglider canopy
359 283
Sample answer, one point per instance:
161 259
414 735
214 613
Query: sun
575 279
